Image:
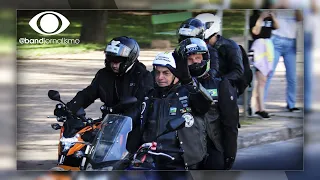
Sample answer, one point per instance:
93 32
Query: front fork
61 160
84 159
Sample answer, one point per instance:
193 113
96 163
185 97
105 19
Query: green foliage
135 25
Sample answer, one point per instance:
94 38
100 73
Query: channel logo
49 23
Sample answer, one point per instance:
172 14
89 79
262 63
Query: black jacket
172 103
110 87
230 70
223 117
214 61
229 117
230 59
213 117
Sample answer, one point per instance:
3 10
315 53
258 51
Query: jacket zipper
158 119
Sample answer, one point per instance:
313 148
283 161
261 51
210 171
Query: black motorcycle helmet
122 49
196 46
191 28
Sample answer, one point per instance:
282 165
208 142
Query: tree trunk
94 27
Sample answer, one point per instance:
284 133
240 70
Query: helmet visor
115 48
191 31
207 25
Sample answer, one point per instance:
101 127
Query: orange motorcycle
78 132
76 135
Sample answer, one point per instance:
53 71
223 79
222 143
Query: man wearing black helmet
231 70
198 58
123 76
230 56
195 28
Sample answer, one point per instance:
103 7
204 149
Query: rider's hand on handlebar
228 163
60 110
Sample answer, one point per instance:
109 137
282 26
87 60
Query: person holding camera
261 25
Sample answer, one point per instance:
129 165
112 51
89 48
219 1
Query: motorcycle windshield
110 143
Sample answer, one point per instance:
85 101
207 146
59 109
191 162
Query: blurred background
144 26
233 27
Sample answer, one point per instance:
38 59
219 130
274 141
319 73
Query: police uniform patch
183 98
183 110
213 92
185 103
189 119
173 111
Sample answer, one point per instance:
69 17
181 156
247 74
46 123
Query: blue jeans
307 71
286 48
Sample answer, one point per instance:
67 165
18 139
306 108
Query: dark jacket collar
162 92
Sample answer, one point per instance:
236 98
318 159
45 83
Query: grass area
7 21
220 2
7 31
7 45
137 26
233 23
236 4
240 4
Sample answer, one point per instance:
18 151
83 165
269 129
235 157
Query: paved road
282 155
36 140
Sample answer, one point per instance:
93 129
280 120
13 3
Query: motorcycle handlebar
159 150
161 154
170 150
83 118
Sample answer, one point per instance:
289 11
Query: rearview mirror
54 95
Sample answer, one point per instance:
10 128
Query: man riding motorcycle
230 70
198 62
176 95
123 76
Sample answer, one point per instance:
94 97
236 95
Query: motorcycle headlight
68 142
78 154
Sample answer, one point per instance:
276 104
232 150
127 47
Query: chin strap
172 81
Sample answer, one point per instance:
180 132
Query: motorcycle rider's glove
228 163
60 110
182 70
73 106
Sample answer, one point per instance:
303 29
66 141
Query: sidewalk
256 131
